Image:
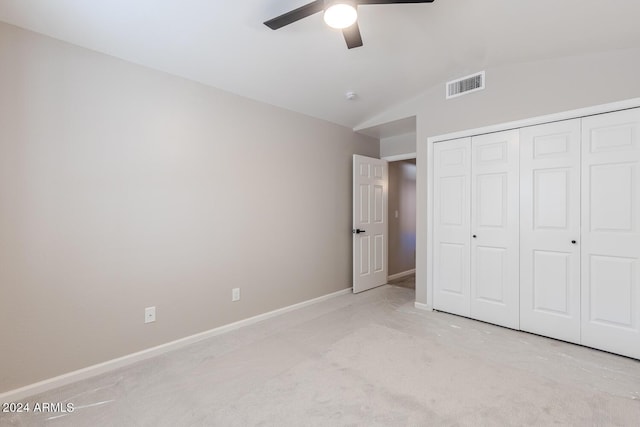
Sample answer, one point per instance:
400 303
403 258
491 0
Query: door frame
398 158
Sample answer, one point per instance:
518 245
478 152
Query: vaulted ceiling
306 66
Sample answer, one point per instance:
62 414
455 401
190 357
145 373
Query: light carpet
370 359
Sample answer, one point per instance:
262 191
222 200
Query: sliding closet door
611 232
494 228
550 230
452 162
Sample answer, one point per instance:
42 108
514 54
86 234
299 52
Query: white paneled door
550 230
495 229
452 222
611 232
370 183
538 229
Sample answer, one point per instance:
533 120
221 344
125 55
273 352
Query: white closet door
550 230
611 232
494 228
452 162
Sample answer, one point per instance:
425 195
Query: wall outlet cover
149 314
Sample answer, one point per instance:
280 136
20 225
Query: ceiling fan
340 14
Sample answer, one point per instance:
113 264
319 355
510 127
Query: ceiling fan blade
295 15
392 2
352 36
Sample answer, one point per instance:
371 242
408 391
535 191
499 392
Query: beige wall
398 145
123 187
402 229
518 92
515 92
532 89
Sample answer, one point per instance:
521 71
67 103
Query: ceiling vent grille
465 85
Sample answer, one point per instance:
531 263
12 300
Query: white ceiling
306 66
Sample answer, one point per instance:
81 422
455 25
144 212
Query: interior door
370 183
494 228
550 230
611 232
452 222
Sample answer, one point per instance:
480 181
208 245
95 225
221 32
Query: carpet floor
405 282
370 359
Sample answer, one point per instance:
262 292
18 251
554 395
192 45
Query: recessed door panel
612 189
365 210
495 228
451 272
611 288
452 157
379 251
613 138
379 171
451 200
551 187
550 230
451 226
365 259
365 170
492 199
379 206
611 234
552 145
493 152
490 274
551 282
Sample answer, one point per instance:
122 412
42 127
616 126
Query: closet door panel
494 223
549 223
611 232
451 226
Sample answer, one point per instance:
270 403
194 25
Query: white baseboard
421 306
402 274
110 365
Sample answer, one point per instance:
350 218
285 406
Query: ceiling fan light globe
340 15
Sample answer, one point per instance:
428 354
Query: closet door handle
574 242
474 236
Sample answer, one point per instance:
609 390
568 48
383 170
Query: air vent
465 85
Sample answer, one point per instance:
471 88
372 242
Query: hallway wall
402 228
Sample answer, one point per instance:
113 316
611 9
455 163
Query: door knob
574 242
358 231
474 236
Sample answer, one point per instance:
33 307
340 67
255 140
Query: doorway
402 223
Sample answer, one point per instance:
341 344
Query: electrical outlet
235 294
149 314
